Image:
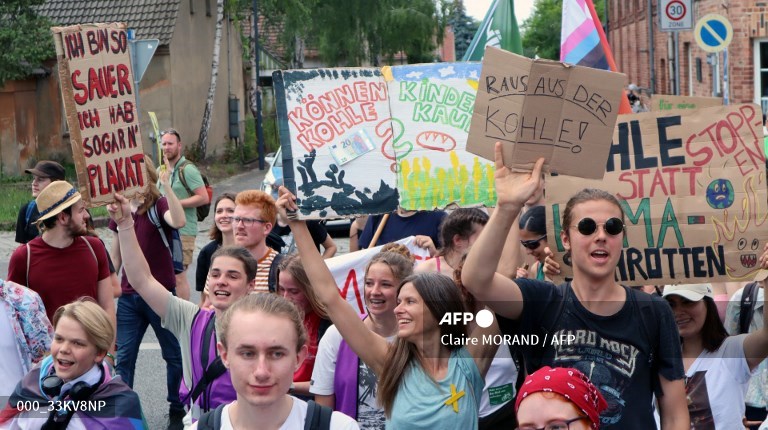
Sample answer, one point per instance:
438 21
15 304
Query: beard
76 230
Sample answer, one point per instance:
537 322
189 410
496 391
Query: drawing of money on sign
353 146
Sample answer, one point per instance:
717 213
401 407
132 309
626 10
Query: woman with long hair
717 366
610 324
533 237
221 235
294 285
458 232
75 371
427 378
340 379
133 313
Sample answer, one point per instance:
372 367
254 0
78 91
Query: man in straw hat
43 174
63 264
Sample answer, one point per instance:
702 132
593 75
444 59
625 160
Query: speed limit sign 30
675 15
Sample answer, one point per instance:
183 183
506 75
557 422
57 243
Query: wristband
112 357
125 228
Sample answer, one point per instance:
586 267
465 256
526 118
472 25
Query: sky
478 8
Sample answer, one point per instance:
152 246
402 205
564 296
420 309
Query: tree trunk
203 139
298 55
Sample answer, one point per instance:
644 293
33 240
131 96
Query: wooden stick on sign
379 229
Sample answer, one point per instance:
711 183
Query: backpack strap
747 308
273 270
180 169
650 328
212 371
211 420
152 213
29 256
91 249
31 206
318 417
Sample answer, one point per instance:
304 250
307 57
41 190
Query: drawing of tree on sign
334 193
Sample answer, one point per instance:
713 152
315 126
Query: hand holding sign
514 189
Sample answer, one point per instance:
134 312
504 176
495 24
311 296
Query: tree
206 125
541 31
25 37
464 27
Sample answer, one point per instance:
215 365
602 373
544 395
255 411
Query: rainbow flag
583 41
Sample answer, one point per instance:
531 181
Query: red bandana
571 384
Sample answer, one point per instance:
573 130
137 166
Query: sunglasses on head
170 131
533 243
588 226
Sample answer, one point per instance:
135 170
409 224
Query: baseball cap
692 292
47 169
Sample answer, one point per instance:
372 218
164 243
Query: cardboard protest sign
337 141
542 108
692 185
431 107
99 101
349 270
662 102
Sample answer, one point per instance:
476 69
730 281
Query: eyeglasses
532 244
588 226
556 425
247 221
171 131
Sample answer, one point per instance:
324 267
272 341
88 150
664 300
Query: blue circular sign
713 33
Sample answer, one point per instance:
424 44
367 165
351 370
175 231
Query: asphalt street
149 381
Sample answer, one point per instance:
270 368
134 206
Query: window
761 73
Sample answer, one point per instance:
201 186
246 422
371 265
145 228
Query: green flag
499 29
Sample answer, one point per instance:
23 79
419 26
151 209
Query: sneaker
176 420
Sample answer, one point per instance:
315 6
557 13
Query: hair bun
398 248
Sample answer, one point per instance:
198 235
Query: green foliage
25 37
541 31
464 27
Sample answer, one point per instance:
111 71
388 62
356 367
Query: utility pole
257 90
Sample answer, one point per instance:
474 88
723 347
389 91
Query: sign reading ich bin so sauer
99 97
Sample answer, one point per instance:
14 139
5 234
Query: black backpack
204 210
748 302
318 418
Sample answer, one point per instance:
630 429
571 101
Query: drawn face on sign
720 194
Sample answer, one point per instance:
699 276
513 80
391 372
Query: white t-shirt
499 382
295 419
716 384
370 415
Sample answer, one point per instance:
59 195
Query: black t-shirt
26 231
613 351
204 263
316 229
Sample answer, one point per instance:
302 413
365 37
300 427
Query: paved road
149 381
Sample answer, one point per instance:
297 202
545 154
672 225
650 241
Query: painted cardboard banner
318 109
99 101
693 187
431 107
662 102
541 108
349 270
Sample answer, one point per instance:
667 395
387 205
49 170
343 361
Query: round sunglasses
533 243
588 226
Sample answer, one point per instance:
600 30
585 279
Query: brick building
701 74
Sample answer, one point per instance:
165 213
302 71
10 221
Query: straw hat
56 197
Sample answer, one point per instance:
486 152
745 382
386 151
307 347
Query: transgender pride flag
583 42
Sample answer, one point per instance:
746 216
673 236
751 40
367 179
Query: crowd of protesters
274 345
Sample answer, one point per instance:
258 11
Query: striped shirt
262 271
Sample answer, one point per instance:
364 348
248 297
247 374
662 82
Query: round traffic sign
675 10
713 33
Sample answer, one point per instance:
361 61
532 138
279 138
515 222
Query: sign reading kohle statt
97 87
542 108
693 188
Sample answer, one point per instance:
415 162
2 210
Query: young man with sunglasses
176 162
625 341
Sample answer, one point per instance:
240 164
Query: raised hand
551 267
286 202
514 189
120 211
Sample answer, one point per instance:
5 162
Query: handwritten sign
692 185
320 108
99 102
662 102
431 108
349 270
541 108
